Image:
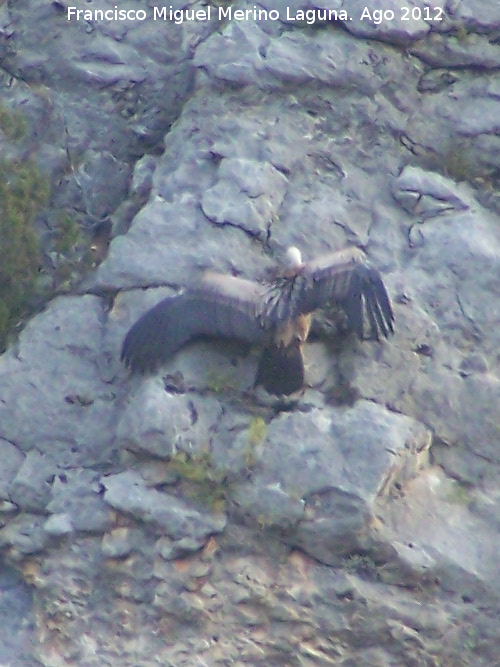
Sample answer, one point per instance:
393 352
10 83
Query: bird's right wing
220 306
347 279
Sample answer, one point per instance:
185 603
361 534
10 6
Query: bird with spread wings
275 315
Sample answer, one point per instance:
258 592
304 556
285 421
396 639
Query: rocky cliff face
174 519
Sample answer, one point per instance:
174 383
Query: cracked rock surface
175 519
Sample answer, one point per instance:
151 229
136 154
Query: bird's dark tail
281 369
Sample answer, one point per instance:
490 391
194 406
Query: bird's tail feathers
281 369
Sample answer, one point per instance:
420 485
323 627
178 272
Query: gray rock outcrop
175 519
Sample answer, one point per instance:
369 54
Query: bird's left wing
218 306
346 279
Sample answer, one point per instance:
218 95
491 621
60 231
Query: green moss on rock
12 125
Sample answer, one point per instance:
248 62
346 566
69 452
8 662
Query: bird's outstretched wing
345 279
220 306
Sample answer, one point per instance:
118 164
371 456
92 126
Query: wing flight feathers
347 279
221 306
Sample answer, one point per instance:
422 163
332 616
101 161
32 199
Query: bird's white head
293 257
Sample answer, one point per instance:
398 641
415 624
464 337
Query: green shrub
23 192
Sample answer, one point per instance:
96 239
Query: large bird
275 315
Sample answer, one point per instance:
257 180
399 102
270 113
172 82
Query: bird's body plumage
275 315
